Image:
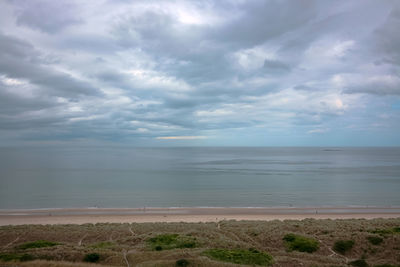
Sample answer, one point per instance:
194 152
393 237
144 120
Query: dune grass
240 256
300 243
201 244
182 263
38 244
359 263
171 241
16 257
91 257
343 246
102 245
375 240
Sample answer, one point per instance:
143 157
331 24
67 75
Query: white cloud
10 81
150 79
318 131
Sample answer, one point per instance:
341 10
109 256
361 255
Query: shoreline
187 214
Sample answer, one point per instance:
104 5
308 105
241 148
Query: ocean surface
198 177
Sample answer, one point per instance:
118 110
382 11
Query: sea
129 177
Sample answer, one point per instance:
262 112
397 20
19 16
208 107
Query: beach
191 214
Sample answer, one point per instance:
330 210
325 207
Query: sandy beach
106 215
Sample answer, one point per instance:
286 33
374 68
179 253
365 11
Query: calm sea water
175 177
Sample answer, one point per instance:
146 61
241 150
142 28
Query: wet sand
104 215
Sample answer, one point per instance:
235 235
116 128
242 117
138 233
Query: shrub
26 257
375 240
342 246
240 256
171 241
301 243
16 257
38 244
359 263
92 257
182 263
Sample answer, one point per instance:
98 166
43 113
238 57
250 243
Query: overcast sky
171 73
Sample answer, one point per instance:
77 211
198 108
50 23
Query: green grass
16 257
102 245
375 240
171 241
240 256
38 244
92 257
343 246
300 243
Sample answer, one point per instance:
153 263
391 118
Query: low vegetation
182 263
387 231
240 256
171 241
92 257
16 257
37 244
343 246
359 263
102 245
375 240
213 244
300 243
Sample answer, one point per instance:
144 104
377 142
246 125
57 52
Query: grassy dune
227 243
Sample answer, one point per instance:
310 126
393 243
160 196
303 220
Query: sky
200 73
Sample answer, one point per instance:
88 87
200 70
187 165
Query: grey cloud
226 67
11 104
46 15
376 87
89 43
276 66
205 48
18 59
387 38
260 21
303 87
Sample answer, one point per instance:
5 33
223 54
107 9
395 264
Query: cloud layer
200 72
